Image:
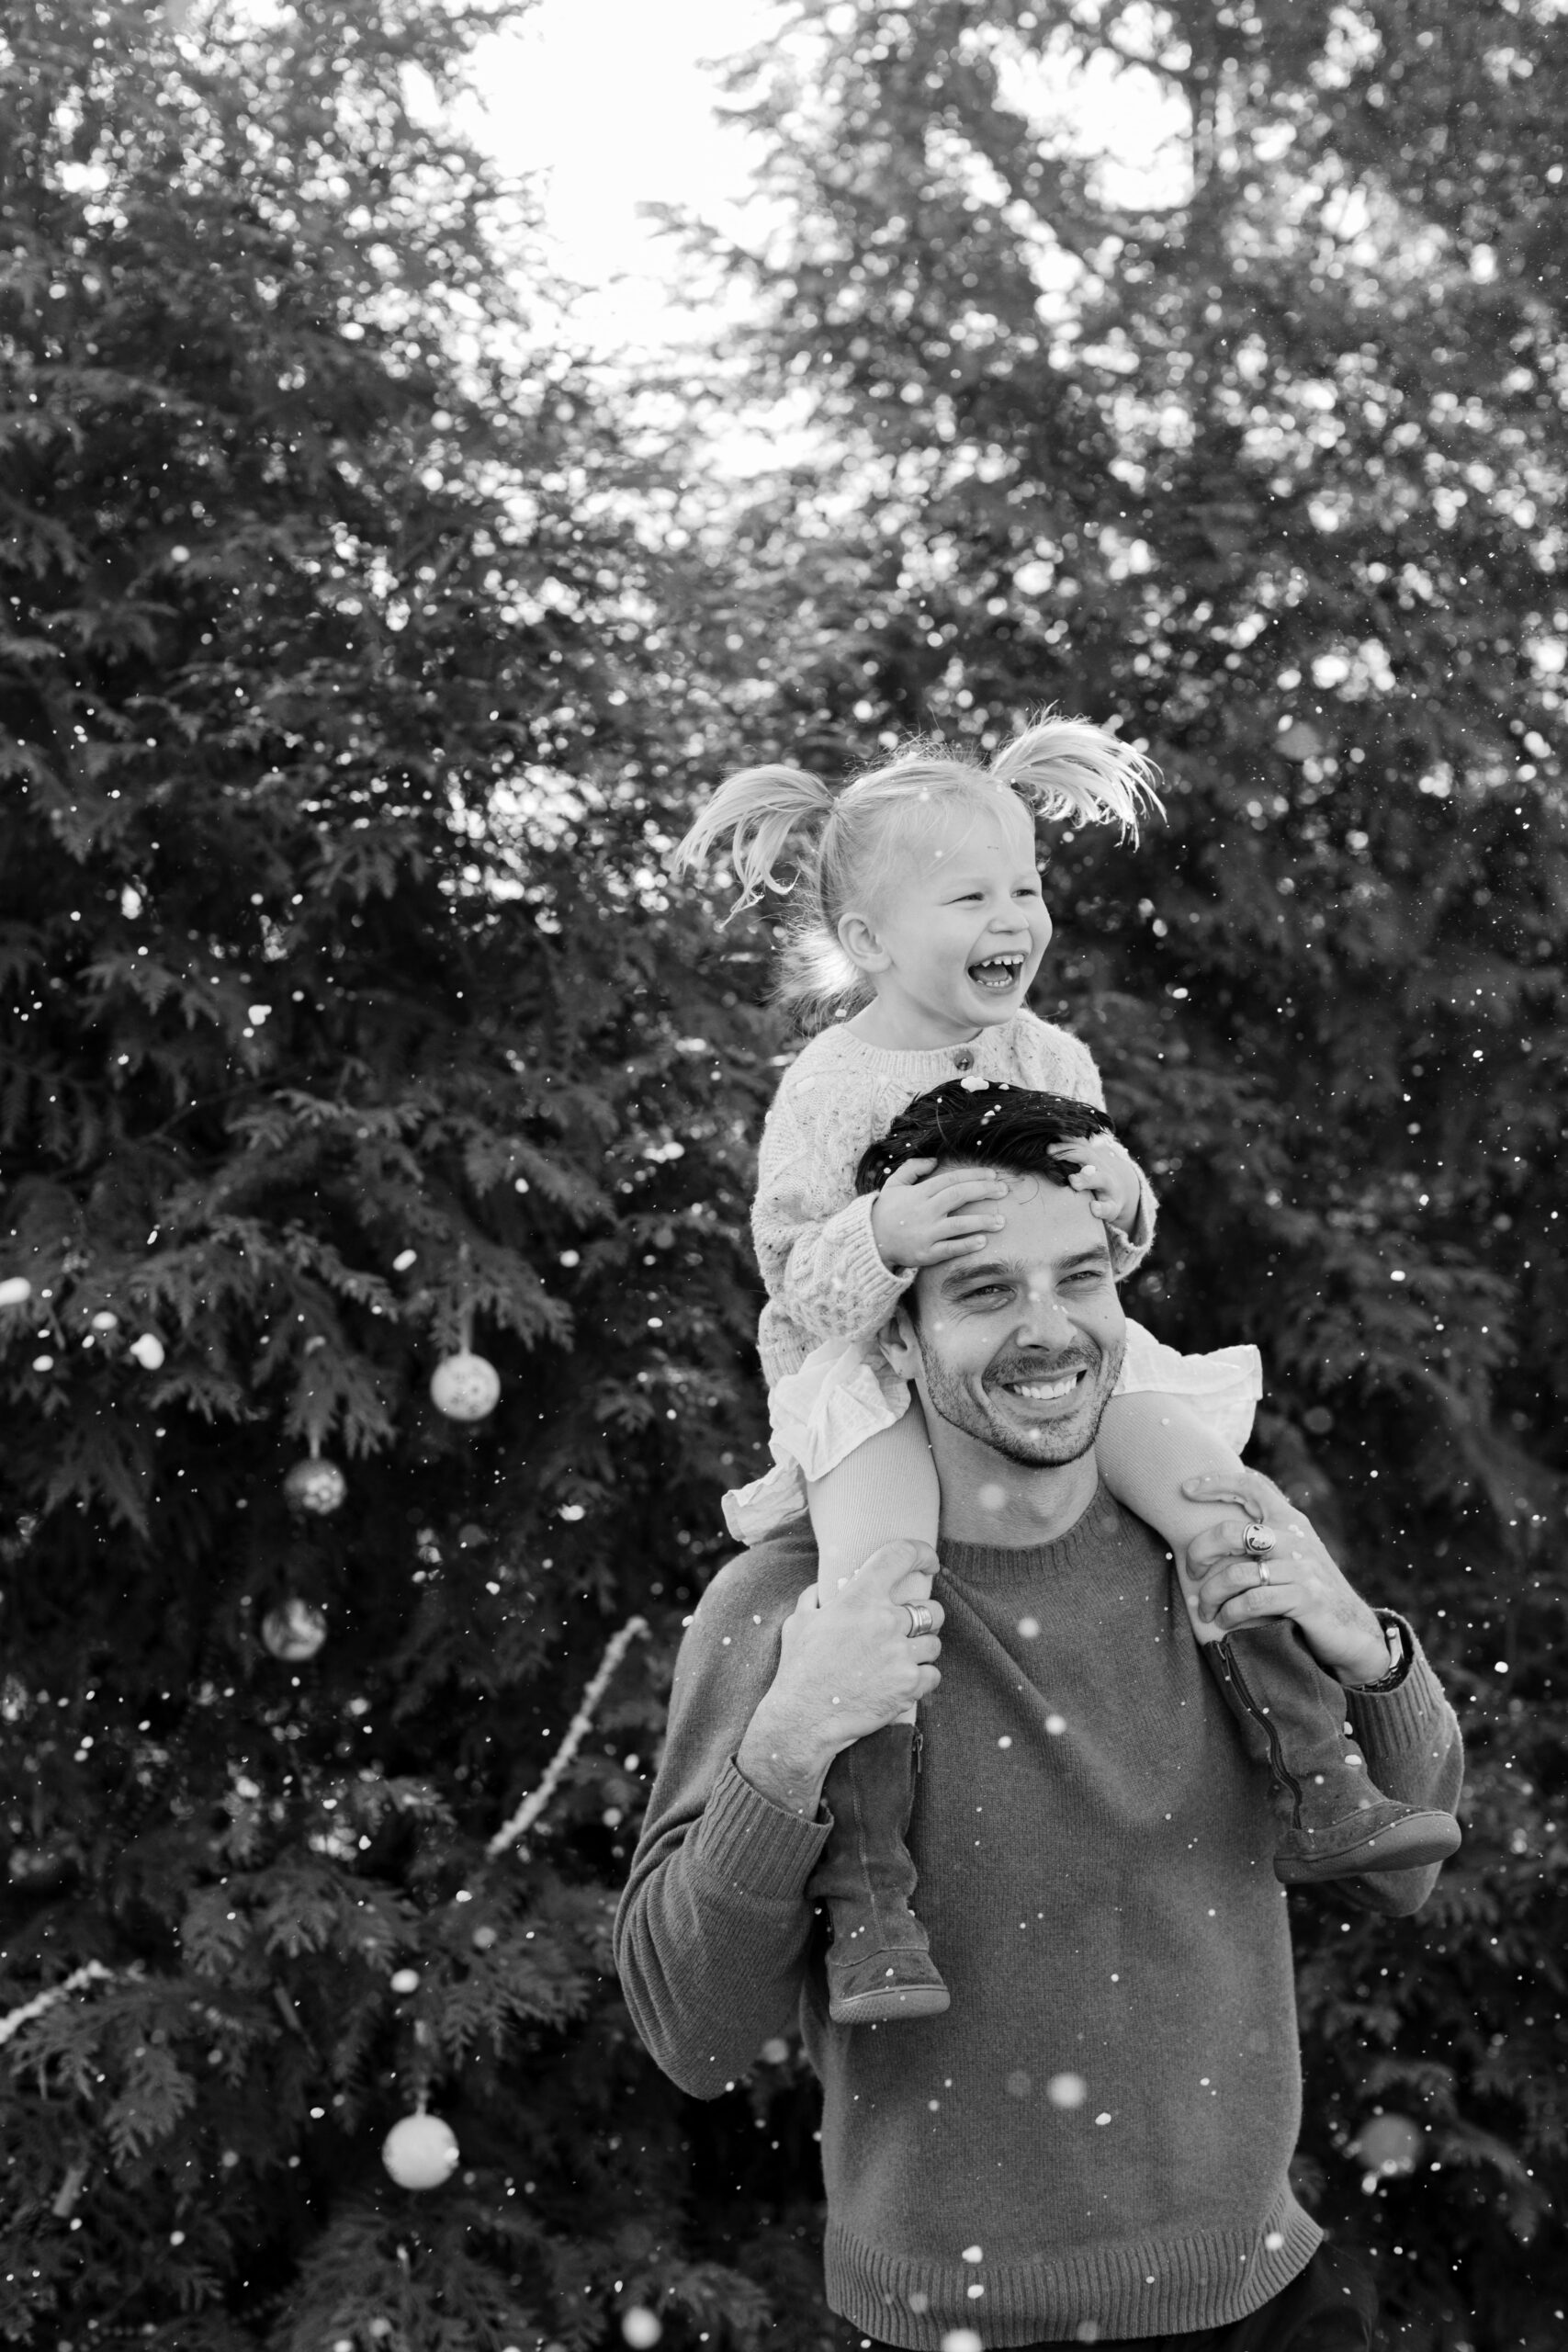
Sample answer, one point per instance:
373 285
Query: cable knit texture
1098 2132
826 1279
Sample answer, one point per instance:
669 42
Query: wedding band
1263 1571
1257 1540
920 1618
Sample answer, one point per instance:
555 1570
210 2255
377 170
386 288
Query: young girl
916 913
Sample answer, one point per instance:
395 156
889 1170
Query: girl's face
959 929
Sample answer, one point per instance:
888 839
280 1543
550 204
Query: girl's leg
1147 1444
1335 1821
879 1967
886 1488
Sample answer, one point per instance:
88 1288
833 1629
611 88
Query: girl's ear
861 943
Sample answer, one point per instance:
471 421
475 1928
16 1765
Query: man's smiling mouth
1044 1392
998 972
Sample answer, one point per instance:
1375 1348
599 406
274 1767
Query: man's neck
1006 1505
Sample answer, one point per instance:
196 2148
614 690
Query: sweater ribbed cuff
871 1288
747 1843
1129 1249
1413 1714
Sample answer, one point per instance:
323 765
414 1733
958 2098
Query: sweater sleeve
1411 1739
713 1929
812 1231
1058 1063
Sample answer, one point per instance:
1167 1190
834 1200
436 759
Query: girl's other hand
1107 1173
919 1219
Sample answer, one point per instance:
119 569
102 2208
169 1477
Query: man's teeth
1041 1391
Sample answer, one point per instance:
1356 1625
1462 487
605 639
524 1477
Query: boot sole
891 2006
1406 1845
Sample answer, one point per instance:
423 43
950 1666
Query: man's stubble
1056 1444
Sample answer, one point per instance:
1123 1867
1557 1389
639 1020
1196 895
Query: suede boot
879 1967
1335 1822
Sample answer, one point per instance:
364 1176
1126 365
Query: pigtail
1064 767
818 979
773 817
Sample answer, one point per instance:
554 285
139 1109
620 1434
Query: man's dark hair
1008 1127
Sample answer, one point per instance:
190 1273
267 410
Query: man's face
1022 1344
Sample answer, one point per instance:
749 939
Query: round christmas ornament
316 1486
465 1386
420 2152
15 1291
1389 2144
148 1351
296 1629
405 1979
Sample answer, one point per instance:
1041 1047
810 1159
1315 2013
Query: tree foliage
345 672
361 654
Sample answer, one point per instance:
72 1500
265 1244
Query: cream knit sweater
826 1279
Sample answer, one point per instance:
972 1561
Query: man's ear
861 943
899 1344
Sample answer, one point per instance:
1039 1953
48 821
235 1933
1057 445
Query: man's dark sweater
1098 2130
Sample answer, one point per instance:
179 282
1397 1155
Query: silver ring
1263 1571
1257 1540
920 1618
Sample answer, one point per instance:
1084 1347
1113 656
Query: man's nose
1044 1322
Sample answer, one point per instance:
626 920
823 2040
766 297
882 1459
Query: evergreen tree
1257 443
346 669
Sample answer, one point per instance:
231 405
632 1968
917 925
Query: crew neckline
998 1563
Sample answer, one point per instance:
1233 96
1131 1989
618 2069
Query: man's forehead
1042 1222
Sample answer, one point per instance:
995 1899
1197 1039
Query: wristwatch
1398 1642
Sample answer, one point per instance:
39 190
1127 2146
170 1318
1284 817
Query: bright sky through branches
613 101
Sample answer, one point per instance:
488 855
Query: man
1091 2145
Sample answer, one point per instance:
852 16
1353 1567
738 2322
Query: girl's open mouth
997 973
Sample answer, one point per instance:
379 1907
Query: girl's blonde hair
832 852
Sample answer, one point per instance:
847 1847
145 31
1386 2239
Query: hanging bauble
1389 2144
296 1629
15 1291
405 1979
420 2152
465 1386
148 1351
316 1486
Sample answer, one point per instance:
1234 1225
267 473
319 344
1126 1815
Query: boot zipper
1275 1753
